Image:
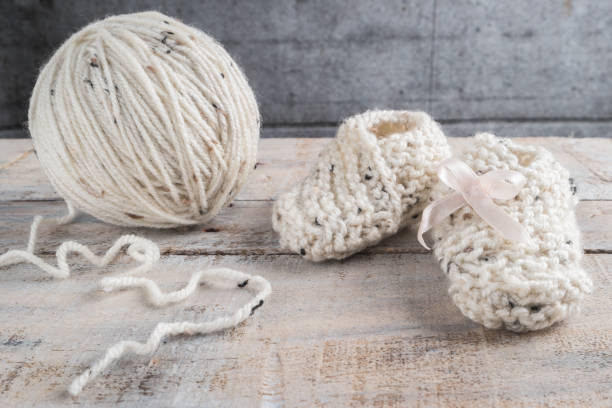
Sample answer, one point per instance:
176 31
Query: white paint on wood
244 228
283 162
377 329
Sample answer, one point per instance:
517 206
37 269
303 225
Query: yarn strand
15 256
141 120
147 253
216 278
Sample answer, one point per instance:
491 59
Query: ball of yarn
141 120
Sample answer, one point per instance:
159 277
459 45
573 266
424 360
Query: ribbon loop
502 184
478 192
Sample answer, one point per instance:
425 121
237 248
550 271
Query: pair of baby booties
380 172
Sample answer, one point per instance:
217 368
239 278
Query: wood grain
283 162
243 229
578 128
375 330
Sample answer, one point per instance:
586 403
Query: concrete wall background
521 67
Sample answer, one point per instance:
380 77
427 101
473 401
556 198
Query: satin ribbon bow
478 192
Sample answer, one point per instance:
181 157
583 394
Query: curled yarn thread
221 278
147 253
141 120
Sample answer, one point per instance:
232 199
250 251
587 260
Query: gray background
518 68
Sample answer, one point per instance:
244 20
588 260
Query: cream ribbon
478 192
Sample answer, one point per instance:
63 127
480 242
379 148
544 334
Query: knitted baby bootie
371 180
498 282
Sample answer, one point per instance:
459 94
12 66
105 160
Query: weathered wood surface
283 162
463 128
319 61
377 329
243 229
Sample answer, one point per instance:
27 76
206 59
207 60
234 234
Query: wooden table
377 329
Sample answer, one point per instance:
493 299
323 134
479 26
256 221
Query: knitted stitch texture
371 180
496 282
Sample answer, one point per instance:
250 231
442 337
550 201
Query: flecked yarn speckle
371 180
141 120
500 283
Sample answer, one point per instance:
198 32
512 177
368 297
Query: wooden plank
284 162
452 128
243 228
375 330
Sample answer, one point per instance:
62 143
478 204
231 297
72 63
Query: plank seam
239 200
251 252
333 125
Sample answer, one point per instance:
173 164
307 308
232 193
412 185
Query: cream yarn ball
141 120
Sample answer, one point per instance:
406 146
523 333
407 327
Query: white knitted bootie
497 282
371 180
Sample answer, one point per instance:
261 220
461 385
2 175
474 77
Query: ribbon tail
500 220
437 211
